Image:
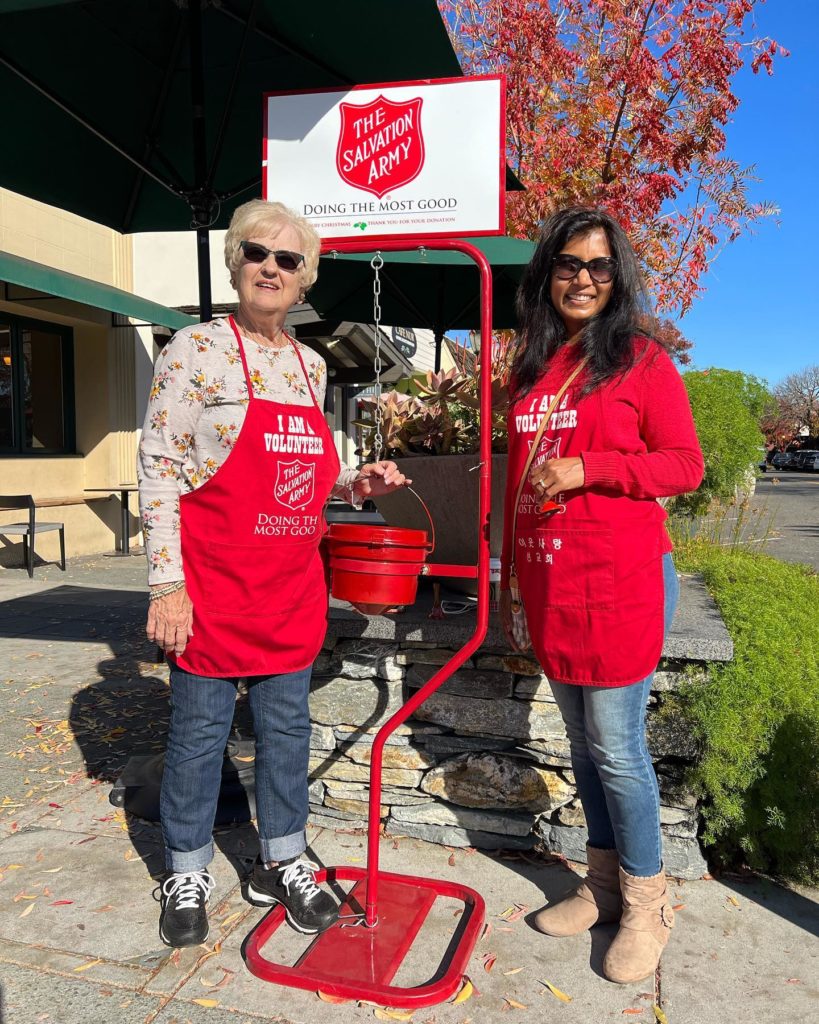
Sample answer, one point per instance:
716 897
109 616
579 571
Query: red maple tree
623 104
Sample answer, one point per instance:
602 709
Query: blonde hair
259 217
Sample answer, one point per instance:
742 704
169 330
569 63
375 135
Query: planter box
450 491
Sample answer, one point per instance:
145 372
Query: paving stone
391 756
504 718
339 701
351 772
448 835
435 813
32 997
465 682
493 780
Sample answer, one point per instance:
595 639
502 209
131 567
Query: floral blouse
196 409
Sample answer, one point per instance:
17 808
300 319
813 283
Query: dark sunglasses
601 269
285 259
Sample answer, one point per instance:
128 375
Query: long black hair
608 338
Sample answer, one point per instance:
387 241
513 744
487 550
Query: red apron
250 543
591 577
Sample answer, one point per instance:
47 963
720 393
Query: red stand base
356 962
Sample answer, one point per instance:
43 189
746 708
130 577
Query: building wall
106 362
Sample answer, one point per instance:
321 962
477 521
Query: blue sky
757 313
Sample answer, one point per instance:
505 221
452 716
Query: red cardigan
647 445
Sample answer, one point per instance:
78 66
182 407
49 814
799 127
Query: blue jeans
612 766
201 718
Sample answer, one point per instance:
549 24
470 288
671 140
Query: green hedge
757 717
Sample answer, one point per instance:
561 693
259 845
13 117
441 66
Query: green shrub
727 406
757 717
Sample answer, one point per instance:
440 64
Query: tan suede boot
596 900
645 928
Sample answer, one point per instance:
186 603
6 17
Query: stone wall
484 761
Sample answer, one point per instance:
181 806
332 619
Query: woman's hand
554 476
377 478
170 622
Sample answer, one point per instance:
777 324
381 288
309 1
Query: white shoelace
301 875
189 888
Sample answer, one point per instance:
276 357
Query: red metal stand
358 957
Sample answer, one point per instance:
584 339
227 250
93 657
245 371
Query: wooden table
125 490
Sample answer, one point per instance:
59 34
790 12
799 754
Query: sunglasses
285 259
601 269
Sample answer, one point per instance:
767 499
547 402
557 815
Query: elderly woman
236 465
599 428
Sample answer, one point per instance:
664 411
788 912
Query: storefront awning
14 270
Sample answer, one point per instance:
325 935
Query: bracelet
167 588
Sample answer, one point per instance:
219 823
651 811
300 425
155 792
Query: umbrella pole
203 264
201 200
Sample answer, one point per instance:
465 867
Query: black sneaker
184 920
293 884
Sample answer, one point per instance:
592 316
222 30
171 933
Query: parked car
783 460
804 459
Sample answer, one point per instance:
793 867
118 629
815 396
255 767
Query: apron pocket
240 579
576 567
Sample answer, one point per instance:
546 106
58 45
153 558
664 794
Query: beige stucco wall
107 361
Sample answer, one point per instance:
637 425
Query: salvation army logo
380 145
547 449
295 484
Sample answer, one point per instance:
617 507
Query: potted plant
430 426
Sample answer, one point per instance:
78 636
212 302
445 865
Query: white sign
383 161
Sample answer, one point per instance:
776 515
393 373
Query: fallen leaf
514 1003
489 961
230 919
520 910
326 997
633 1010
734 900
678 906
451 860
464 992
85 967
44 871
793 981
514 970
225 979
487 931
388 1014
28 910
206 1002
659 1015
23 895
556 992
103 910
61 903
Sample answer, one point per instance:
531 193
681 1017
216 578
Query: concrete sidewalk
78 927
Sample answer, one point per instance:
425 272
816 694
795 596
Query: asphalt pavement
789 504
78 922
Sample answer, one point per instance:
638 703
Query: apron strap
533 450
235 329
304 371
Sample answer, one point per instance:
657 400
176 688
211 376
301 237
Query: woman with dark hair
599 428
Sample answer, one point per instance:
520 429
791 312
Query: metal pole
484 505
201 208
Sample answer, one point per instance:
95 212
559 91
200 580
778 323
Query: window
36 387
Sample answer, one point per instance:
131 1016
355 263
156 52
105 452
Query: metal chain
378 438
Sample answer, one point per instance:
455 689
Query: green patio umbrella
439 290
146 115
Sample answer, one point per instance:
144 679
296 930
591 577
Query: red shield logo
295 484
547 449
380 145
